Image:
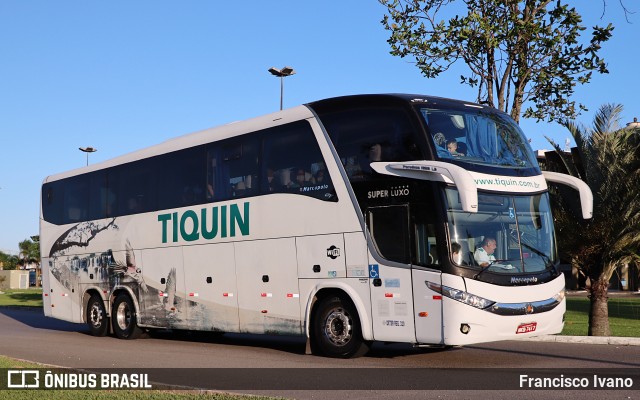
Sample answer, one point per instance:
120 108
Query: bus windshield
508 235
478 137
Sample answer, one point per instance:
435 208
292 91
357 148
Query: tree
627 12
608 160
7 261
30 250
517 51
30 254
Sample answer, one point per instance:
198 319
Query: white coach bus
349 220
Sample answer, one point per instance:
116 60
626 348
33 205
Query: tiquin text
208 224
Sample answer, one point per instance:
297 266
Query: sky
124 75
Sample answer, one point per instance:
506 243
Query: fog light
465 328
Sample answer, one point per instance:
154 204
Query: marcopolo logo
223 221
523 280
333 252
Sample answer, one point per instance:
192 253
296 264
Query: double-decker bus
363 218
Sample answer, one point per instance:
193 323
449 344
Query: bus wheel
97 316
123 317
336 329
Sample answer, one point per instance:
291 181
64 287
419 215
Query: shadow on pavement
34 317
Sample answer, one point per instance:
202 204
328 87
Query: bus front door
390 281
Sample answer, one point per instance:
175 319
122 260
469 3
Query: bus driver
484 254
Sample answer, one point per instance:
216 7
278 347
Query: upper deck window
367 135
281 159
478 136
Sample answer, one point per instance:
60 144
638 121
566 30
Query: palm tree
30 254
609 162
29 251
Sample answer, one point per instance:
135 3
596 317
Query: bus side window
137 187
424 239
292 163
183 178
98 195
52 196
367 135
215 182
76 199
426 252
389 228
238 171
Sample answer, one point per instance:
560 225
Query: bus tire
124 318
97 316
336 329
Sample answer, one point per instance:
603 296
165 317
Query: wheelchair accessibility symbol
373 271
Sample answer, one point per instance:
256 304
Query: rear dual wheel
97 316
124 318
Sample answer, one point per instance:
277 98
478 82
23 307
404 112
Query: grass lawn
16 394
624 316
21 297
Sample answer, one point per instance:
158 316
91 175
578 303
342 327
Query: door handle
377 282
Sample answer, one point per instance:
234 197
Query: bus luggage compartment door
210 282
268 292
163 302
58 286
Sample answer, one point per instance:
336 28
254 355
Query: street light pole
88 150
282 73
281 90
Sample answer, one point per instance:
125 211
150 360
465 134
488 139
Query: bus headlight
559 296
461 296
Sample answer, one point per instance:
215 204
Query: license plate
527 328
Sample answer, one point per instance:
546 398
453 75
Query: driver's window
425 249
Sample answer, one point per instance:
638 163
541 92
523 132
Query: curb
611 340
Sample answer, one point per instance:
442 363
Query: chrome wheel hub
338 327
123 316
95 315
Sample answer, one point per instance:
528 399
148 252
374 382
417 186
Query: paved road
28 335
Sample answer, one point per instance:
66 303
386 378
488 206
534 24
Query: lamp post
282 73
88 150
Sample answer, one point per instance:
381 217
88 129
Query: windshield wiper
489 266
541 254
496 262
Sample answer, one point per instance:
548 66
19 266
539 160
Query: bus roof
368 100
263 122
195 139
